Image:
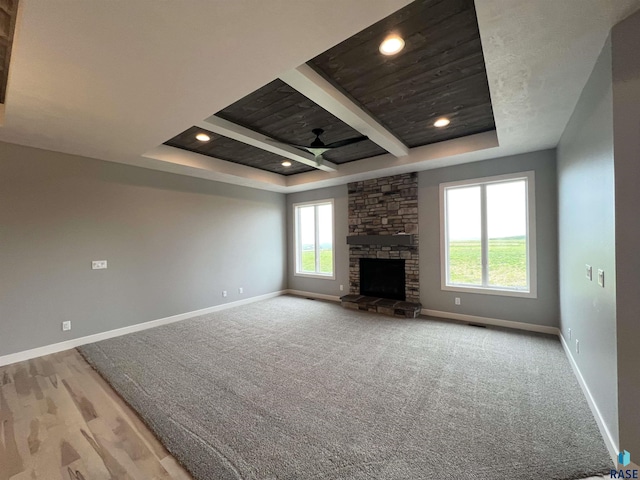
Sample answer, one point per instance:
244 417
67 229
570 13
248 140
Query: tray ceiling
108 104
439 73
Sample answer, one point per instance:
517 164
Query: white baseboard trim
76 342
604 431
530 327
320 296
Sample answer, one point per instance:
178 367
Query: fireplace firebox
383 278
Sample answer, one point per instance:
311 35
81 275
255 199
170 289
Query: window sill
315 275
490 291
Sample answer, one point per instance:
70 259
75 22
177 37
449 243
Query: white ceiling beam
237 132
313 86
184 162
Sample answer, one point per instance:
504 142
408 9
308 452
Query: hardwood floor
60 420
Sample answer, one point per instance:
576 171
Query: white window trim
296 240
531 238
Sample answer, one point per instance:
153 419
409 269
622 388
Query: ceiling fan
318 147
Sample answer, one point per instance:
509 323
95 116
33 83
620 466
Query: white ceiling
114 80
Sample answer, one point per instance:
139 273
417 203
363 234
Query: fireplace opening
382 278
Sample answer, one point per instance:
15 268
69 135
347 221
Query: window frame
297 244
532 292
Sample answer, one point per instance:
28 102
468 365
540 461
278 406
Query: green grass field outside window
507 262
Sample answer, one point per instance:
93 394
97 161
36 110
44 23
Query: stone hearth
385 306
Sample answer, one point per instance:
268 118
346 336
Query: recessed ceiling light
391 45
441 122
286 163
203 137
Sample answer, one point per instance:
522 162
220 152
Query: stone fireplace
383 224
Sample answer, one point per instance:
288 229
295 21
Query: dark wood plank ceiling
233 151
8 13
282 113
440 72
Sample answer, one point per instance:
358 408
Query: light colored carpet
291 388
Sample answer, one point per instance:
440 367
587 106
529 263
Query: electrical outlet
66 326
589 272
341 288
98 264
601 278
577 346
457 301
240 290
224 293
569 334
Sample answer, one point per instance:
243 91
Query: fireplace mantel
400 239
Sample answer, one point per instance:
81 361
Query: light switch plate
601 278
589 272
98 264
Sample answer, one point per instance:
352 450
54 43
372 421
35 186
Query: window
488 235
314 239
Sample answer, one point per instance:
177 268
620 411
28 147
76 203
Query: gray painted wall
173 243
587 236
341 222
543 310
626 122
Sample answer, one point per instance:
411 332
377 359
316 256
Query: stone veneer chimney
385 206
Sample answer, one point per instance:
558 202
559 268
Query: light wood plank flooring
60 420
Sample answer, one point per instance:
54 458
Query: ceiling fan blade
317 148
348 141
